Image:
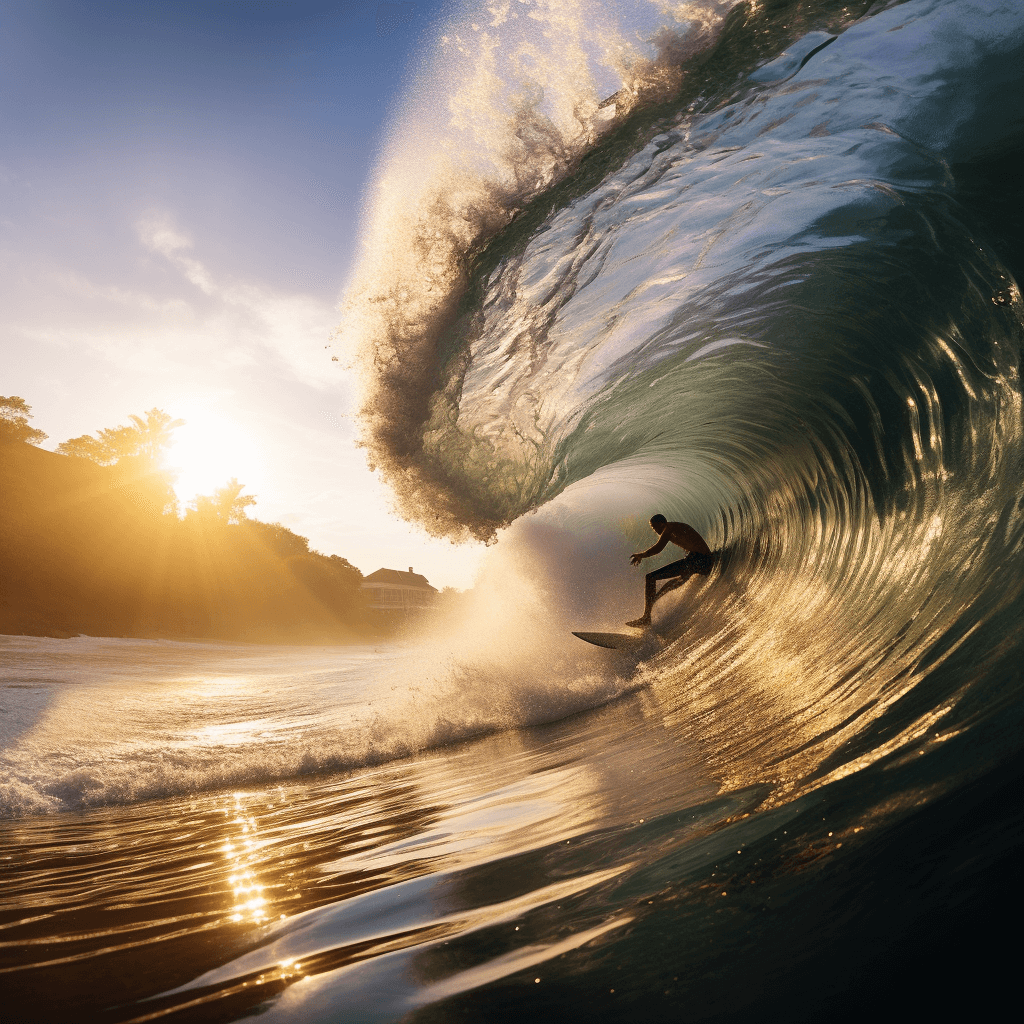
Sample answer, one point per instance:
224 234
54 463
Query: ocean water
751 266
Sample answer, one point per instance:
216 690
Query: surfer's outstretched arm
659 545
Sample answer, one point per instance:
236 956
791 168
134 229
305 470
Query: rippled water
769 289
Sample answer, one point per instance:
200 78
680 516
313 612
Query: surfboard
613 641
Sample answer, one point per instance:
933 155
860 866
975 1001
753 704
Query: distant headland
93 540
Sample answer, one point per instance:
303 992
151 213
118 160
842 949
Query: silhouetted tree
86 548
137 450
279 539
144 441
14 417
225 505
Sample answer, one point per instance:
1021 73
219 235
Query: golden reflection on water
788 673
240 853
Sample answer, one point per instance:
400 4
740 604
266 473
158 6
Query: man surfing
699 560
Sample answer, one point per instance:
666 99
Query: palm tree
225 505
154 434
144 443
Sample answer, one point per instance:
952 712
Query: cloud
203 323
72 283
155 322
157 233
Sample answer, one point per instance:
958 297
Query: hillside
85 548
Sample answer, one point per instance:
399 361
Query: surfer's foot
644 620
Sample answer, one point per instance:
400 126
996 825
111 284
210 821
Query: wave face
763 298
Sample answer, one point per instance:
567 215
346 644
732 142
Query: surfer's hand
636 559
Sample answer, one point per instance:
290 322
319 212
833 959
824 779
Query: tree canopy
137 451
96 544
14 417
144 441
225 505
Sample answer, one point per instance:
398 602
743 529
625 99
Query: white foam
121 721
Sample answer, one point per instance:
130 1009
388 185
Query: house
391 592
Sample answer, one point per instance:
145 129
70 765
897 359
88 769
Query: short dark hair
657 519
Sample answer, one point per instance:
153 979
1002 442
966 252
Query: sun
208 451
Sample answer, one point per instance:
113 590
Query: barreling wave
758 299
508 111
536 265
756 274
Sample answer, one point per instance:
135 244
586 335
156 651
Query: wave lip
521 94
491 343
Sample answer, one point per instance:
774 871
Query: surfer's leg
673 584
650 587
694 565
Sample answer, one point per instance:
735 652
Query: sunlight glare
208 451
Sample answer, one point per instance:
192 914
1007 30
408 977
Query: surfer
699 560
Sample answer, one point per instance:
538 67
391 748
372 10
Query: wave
212 717
512 318
757 300
508 109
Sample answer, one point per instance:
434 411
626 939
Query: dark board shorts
693 562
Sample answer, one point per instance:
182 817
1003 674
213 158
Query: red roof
397 578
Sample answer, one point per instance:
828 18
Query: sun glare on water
208 451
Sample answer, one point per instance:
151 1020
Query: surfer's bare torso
699 561
680 534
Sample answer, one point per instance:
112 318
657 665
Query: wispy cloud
291 328
74 283
193 322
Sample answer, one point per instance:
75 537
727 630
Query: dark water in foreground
596 863
777 299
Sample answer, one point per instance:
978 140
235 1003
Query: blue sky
182 189
260 119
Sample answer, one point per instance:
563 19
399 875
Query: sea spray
507 110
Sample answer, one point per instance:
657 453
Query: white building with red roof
391 591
